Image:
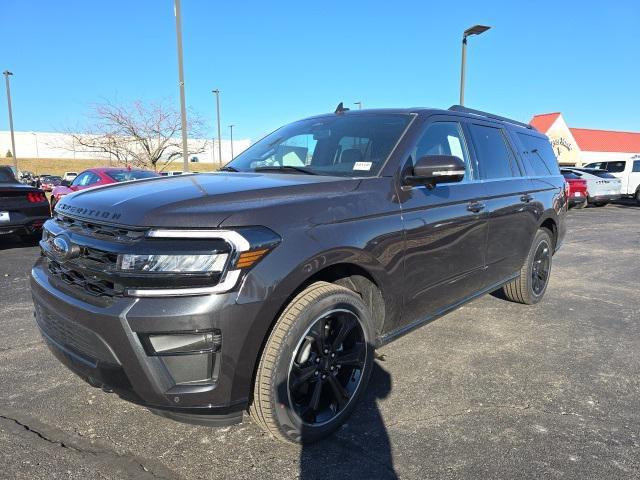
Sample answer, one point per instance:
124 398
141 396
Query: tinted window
540 155
6 175
128 175
616 167
599 173
85 179
352 145
570 175
636 166
494 156
443 138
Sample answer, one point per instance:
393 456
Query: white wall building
61 145
579 146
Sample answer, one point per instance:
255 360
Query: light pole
359 105
475 30
183 108
6 74
35 136
217 94
231 130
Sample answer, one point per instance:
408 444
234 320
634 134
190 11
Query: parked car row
628 171
590 186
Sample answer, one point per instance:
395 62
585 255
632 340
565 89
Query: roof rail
460 108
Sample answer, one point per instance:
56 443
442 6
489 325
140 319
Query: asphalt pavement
492 390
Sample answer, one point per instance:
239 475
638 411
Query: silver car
601 185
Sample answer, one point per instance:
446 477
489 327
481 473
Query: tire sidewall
289 423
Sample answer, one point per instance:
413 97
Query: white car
602 187
628 171
69 176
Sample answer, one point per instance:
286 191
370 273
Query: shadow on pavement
361 448
8 242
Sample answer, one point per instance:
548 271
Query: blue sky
278 61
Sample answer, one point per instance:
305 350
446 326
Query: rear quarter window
539 154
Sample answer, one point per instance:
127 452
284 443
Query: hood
192 201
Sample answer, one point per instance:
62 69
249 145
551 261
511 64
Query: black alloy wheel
540 268
327 367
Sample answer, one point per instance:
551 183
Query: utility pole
217 93
475 30
183 108
231 129
6 74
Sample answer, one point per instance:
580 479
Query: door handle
475 207
526 198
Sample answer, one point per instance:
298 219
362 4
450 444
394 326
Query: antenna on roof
340 109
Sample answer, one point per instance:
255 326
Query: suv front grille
73 335
91 284
98 230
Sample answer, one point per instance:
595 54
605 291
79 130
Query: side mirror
433 169
65 183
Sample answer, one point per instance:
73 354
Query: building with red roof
579 146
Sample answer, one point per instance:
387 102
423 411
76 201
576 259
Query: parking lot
494 389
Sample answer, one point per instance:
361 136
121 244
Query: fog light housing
189 357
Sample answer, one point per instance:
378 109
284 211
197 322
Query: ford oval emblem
63 248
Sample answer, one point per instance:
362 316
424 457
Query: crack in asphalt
106 456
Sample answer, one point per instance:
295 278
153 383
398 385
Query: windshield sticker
362 166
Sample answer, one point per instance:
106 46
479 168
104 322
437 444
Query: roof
606 140
543 122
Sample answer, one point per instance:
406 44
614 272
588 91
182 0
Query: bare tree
139 134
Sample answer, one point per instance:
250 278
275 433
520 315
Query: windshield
353 145
128 175
6 175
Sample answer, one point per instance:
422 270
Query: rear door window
539 154
495 159
636 166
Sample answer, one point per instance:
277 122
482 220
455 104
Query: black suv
266 287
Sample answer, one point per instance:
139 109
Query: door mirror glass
430 170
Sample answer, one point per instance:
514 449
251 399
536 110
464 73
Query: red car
95 177
578 193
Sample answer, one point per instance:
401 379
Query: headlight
208 263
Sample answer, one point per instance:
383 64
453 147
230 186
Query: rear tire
637 196
315 365
580 205
529 287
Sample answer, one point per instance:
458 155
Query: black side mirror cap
433 169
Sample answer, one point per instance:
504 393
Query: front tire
529 287
315 365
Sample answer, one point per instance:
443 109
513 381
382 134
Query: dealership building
579 146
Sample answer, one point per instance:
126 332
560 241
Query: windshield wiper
228 169
284 168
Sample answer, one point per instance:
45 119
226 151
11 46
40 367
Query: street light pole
183 108
231 129
475 30
6 74
217 93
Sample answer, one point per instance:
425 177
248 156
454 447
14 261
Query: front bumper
101 342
